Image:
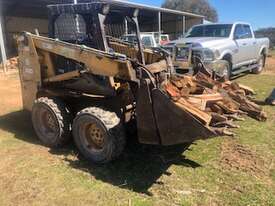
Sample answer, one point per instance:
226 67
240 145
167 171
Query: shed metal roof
152 8
37 8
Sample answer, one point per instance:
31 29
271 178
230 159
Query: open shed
28 15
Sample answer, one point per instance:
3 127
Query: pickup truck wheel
51 120
260 67
226 74
98 134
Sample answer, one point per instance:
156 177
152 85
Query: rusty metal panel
30 73
97 62
147 130
175 125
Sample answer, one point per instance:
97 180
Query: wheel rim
48 125
93 137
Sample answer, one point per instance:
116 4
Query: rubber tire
61 114
259 70
115 138
229 70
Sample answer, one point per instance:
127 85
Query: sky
260 13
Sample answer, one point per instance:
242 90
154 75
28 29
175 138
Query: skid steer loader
83 80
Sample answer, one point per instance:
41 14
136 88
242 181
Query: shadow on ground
19 123
239 75
137 169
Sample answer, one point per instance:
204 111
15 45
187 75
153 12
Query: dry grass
31 174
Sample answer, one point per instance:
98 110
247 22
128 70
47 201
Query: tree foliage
201 7
267 32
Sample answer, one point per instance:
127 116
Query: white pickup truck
235 44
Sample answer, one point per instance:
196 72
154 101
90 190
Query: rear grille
182 53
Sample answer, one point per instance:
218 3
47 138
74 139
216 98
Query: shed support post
2 45
126 26
159 22
183 25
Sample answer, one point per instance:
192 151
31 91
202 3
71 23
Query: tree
201 7
267 32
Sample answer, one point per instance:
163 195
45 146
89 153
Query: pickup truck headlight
208 55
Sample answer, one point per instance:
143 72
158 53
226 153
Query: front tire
98 134
51 120
224 74
261 65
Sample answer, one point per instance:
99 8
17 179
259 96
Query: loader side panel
96 61
29 69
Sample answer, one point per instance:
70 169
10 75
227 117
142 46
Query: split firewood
200 103
248 90
242 113
184 92
216 108
11 63
209 97
240 92
172 90
202 100
177 83
227 123
252 109
234 117
199 114
234 86
223 132
227 106
215 104
189 82
218 117
206 81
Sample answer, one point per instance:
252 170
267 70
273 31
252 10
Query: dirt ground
238 157
10 85
219 171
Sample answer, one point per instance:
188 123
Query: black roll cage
99 14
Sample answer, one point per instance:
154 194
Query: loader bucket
172 124
176 125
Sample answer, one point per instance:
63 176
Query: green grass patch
31 174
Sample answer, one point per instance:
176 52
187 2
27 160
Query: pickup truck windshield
218 30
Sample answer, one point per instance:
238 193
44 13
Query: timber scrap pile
11 63
216 104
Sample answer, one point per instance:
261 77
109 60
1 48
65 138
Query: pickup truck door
252 54
244 52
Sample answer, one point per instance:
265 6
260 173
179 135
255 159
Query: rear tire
261 65
99 134
51 121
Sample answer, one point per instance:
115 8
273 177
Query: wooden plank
199 114
157 67
248 90
253 110
208 97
